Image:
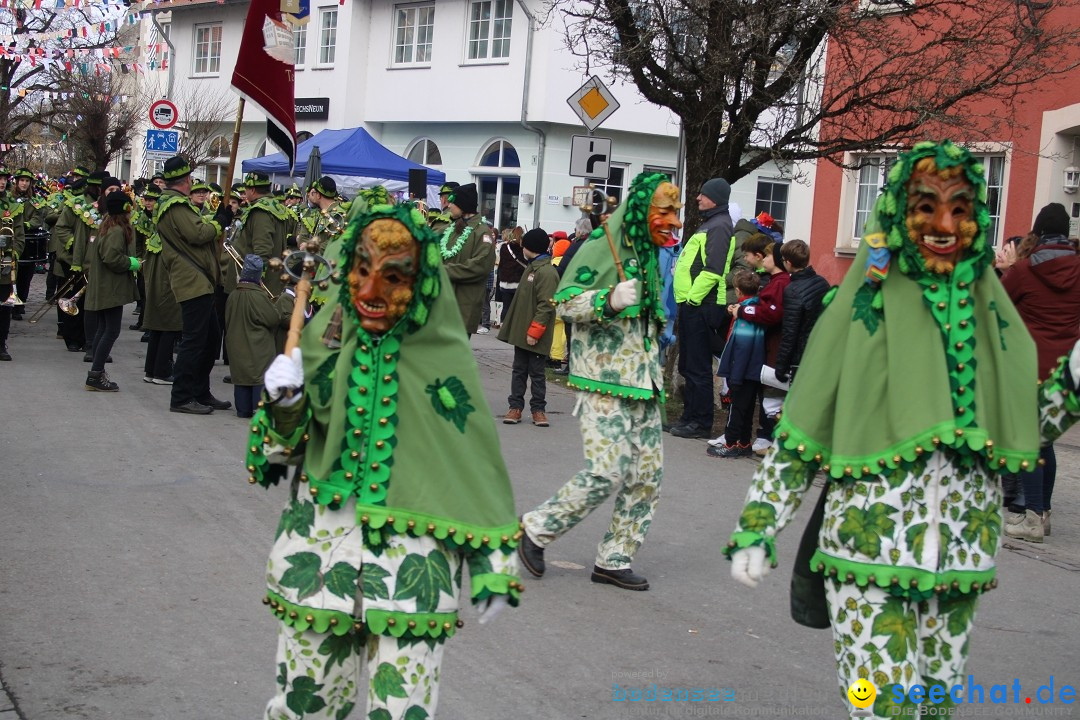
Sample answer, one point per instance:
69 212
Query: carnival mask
663 214
940 215
382 274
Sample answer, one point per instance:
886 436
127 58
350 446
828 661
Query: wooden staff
614 253
303 292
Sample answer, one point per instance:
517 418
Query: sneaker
1045 516
718 442
164 381
730 451
100 382
148 378
626 578
1027 526
563 369
539 418
483 331
761 446
512 416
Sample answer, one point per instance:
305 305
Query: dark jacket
1046 291
532 312
111 281
702 267
802 306
512 264
769 312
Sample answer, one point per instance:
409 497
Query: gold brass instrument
70 306
214 201
8 263
240 265
57 296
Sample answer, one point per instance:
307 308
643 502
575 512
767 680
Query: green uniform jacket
111 280
533 307
143 223
160 310
50 214
72 232
182 229
327 226
262 232
251 332
9 205
469 269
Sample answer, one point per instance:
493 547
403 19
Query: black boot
5 356
531 554
626 578
99 381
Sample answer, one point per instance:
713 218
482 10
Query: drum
37 246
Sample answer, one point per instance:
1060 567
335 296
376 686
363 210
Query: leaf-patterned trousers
892 641
319 676
623 455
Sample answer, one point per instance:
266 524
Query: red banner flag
265 80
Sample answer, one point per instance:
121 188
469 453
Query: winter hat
560 247
117 203
464 196
112 182
1052 220
536 240
252 270
717 190
558 235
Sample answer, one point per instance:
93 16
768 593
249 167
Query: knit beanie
464 196
117 203
717 190
536 240
1052 220
252 270
560 247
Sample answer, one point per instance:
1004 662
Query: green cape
918 361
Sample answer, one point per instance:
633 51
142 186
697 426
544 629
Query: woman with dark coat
1044 284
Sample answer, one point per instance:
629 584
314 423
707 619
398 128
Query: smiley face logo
862 693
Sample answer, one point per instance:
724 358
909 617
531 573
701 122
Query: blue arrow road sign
165 142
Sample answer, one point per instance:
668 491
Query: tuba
8 263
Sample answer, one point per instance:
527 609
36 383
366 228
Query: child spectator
740 364
560 352
529 326
251 335
802 306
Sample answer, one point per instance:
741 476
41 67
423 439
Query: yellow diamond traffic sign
593 103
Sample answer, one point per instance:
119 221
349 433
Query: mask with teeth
940 215
663 214
383 273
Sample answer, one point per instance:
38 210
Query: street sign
162 144
593 103
590 156
163 114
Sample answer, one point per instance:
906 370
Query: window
414 26
489 29
873 170
994 172
207 49
499 183
219 147
425 152
772 198
613 186
299 36
327 36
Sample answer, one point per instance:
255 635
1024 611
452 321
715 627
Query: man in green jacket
329 218
189 252
11 211
468 251
78 219
261 231
529 327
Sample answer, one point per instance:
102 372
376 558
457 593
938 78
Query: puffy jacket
706 258
802 306
1046 291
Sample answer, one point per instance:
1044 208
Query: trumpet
8 264
228 246
57 296
214 201
70 306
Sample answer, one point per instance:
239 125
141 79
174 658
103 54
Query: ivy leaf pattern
864 308
415 712
916 538
757 517
341 580
982 527
451 401
303 698
324 378
960 611
380 714
344 710
423 578
388 682
338 648
898 624
303 574
864 529
297 519
373 579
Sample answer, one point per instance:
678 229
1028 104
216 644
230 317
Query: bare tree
747 77
99 119
203 110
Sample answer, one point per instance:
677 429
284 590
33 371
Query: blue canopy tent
354 159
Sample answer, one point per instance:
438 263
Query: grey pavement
132 552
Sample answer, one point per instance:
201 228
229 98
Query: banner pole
235 145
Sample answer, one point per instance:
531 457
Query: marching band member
10 214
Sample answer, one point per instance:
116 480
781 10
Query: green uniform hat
176 167
24 173
80 171
152 192
96 177
325 186
294 192
257 180
448 188
199 186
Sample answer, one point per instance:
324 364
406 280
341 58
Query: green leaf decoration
423 578
297 519
324 378
338 648
344 710
982 527
303 574
303 698
387 682
757 516
961 611
864 308
415 712
898 626
480 564
373 579
864 529
380 714
916 537
451 401
585 275
283 676
341 580
827 299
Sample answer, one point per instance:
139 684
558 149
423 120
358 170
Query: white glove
494 606
624 295
1074 364
285 373
748 565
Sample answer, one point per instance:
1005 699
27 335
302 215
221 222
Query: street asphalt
132 553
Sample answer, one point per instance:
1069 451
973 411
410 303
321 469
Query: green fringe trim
491 584
970 444
414 625
911 583
453 535
749 538
303 618
621 391
262 431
